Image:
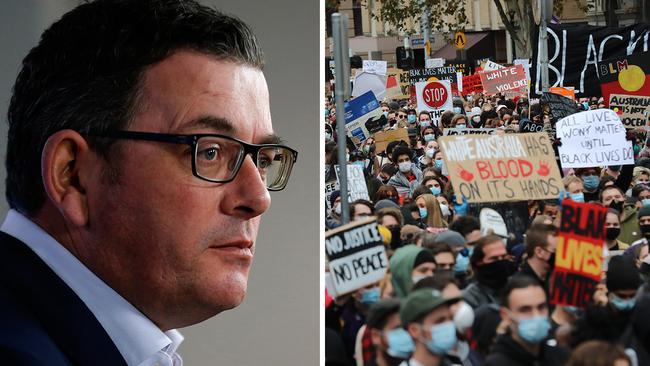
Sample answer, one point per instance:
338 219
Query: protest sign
491 66
468 131
593 138
526 64
360 111
434 97
401 77
560 106
579 254
515 214
330 187
568 91
631 109
472 84
461 66
625 75
526 125
375 66
507 79
501 167
434 62
357 188
365 81
492 223
384 137
574 52
436 73
356 255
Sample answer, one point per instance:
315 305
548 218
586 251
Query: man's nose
248 196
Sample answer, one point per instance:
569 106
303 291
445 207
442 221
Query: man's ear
375 337
413 330
505 316
64 164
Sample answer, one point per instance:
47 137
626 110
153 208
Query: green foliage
402 15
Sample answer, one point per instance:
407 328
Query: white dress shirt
139 340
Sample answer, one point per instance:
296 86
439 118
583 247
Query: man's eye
208 153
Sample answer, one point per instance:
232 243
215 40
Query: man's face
378 336
361 211
494 251
177 247
612 194
550 210
437 316
472 237
445 260
525 303
575 187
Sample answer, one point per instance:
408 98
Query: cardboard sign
491 221
472 84
330 187
568 92
625 75
468 131
375 66
579 254
526 125
357 188
491 66
631 109
384 137
365 82
360 111
401 77
560 106
356 255
593 138
502 167
508 79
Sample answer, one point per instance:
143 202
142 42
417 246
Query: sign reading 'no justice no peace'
502 167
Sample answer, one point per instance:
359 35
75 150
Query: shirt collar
135 336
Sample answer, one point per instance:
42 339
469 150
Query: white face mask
464 317
328 136
405 167
445 209
476 119
337 209
430 153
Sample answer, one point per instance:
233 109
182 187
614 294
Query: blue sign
360 106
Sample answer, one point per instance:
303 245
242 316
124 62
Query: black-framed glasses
218 158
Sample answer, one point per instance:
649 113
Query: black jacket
507 352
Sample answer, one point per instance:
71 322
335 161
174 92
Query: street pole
426 30
342 90
546 7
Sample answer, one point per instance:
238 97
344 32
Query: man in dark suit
140 158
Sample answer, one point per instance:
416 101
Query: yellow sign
460 40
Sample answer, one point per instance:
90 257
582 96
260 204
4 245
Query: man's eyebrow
271 139
216 123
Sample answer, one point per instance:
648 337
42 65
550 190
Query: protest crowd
496 228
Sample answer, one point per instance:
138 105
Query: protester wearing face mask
445 207
430 148
408 176
434 185
540 245
427 134
409 264
492 267
613 230
524 308
459 121
475 117
613 197
389 216
333 219
644 226
573 187
382 323
438 161
386 192
412 117
430 213
590 179
424 120
428 320
608 317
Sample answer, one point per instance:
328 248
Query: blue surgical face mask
386 114
425 123
457 110
533 330
439 163
411 118
645 201
360 163
400 343
443 338
429 137
577 197
461 126
591 182
370 296
435 190
423 212
621 304
462 264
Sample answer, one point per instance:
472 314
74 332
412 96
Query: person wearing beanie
475 116
408 175
608 317
643 220
458 244
409 264
428 320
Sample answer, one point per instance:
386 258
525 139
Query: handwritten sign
631 109
579 254
356 255
501 167
526 125
468 131
375 66
384 137
491 66
472 84
593 138
508 79
401 78
559 105
357 188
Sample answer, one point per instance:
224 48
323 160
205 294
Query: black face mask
494 275
612 233
396 240
618 206
551 263
645 229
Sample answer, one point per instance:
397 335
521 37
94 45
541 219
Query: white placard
357 188
434 62
593 138
365 82
491 221
491 66
375 66
430 102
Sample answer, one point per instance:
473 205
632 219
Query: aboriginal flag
628 75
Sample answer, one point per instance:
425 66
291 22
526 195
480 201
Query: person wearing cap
408 175
409 264
608 317
426 317
381 323
524 310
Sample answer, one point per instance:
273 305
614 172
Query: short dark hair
86 73
401 150
361 201
478 254
516 282
537 236
600 194
465 225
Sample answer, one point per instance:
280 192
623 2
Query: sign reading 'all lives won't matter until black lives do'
593 138
356 255
502 167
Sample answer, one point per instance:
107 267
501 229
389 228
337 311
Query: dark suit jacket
42 321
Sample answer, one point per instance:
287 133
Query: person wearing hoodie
475 117
524 309
408 265
408 175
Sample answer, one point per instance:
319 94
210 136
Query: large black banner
574 51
